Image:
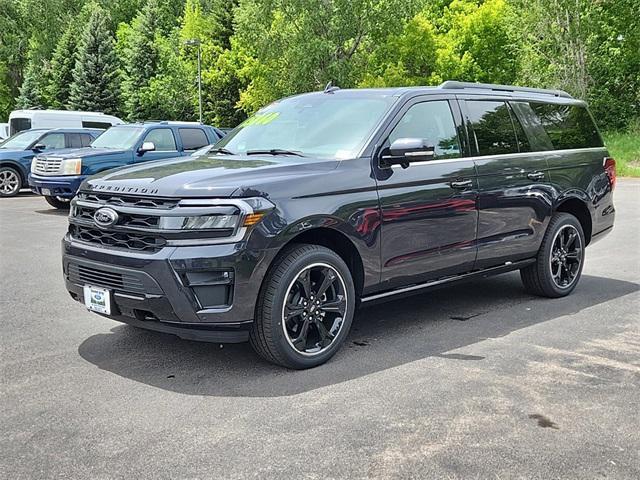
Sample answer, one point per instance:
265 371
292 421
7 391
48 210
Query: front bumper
62 186
205 293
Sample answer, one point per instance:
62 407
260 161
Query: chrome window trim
505 155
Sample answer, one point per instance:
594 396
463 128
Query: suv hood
83 152
210 176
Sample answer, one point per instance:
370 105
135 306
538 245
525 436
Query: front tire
10 182
559 263
305 308
58 202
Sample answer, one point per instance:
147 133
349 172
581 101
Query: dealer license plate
97 299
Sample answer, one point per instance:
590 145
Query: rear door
429 213
514 199
192 139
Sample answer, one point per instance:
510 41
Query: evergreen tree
222 12
95 75
141 60
62 65
31 89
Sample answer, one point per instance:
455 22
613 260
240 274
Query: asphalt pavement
475 381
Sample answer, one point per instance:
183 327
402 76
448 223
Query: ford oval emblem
105 217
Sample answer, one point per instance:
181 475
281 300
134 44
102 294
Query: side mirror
38 147
146 147
403 151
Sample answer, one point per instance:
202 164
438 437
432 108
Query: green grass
625 148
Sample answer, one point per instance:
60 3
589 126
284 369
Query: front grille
83 275
126 220
128 201
114 239
47 165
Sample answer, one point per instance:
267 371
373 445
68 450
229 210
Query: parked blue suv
16 152
58 176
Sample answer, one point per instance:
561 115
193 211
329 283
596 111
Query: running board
508 266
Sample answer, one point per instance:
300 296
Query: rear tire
58 202
10 182
559 263
305 308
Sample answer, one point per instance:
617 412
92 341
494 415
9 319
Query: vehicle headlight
71 166
200 222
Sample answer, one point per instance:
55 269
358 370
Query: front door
165 143
429 213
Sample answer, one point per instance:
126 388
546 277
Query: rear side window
19 124
568 126
73 140
162 138
193 138
85 139
493 129
433 122
90 124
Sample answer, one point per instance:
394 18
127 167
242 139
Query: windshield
119 137
22 140
333 126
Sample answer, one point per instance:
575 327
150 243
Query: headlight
200 222
71 166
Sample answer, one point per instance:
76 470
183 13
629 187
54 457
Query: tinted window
52 141
85 139
492 129
101 125
192 138
568 126
18 125
162 138
433 122
73 140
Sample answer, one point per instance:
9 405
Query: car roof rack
455 85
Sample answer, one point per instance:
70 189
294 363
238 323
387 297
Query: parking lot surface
478 380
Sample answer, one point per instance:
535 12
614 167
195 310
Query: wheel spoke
326 337
328 278
300 342
293 310
305 281
337 305
575 255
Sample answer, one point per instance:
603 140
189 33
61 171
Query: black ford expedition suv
321 202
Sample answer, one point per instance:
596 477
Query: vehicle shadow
383 337
53 211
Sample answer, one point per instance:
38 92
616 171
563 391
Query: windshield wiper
221 150
274 151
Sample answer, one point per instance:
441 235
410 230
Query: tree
141 60
95 75
31 95
62 65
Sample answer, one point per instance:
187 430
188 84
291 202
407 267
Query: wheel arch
578 207
16 166
335 240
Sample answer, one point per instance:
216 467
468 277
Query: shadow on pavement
383 337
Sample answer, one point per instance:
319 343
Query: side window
433 122
568 126
162 138
85 139
73 140
90 124
192 138
526 117
492 128
52 141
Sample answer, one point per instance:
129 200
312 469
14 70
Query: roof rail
455 85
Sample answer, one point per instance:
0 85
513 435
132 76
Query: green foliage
255 51
31 91
140 60
624 146
95 75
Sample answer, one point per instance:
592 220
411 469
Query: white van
26 119
4 130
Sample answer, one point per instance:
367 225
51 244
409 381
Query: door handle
536 176
461 184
